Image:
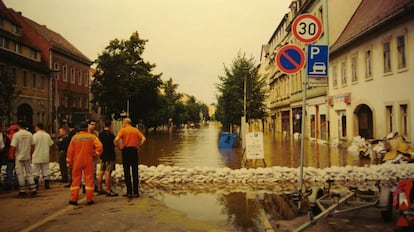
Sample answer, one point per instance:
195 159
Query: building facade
51 75
68 73
371 72
285 98
21 60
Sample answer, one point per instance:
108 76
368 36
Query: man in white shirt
21 148
41 155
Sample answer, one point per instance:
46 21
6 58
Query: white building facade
371 73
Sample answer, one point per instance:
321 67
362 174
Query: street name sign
290 59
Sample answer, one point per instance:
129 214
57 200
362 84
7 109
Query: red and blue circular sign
290 59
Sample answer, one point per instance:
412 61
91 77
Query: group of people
85 148
27 155
79 152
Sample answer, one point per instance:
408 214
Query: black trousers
130 162
63 166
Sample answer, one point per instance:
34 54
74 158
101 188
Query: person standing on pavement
21 148
107 160
72 132
62 144
92 130
132 140
83 148
11 179
41 155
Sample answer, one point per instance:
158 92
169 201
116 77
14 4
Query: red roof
370 15
56 39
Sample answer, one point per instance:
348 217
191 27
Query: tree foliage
230 105
123 76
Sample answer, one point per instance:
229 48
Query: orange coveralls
81 151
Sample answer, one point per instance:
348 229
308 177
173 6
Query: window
57 72
387 57
42 82
343 73
404 120
85 79
334 76
24 79
18 48
72 75
15 29
65 73
79 78
34 81
5 43
402 62
354 68
389 119
368 64
33 54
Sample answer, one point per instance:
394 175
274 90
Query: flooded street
191 148
199 147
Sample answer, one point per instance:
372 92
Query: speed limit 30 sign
307 28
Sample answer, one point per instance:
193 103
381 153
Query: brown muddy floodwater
199 148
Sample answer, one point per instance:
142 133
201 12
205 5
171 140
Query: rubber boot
47 186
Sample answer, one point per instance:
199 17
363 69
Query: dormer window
15 29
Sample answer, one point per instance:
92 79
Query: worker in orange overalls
82 149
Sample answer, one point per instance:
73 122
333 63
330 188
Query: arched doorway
25 114
365 123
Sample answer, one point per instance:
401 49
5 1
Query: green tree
230 100
123 76
171 97
194 109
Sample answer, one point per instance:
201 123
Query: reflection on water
199 147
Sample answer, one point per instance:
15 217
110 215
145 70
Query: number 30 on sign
307 28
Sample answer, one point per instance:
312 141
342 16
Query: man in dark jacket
62 145
107 160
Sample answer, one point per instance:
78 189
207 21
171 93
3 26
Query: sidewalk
49 211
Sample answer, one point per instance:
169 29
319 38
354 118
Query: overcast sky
190 41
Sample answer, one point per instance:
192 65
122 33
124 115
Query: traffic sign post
307 28
290 59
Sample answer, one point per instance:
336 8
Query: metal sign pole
302 136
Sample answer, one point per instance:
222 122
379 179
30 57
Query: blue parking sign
317 61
